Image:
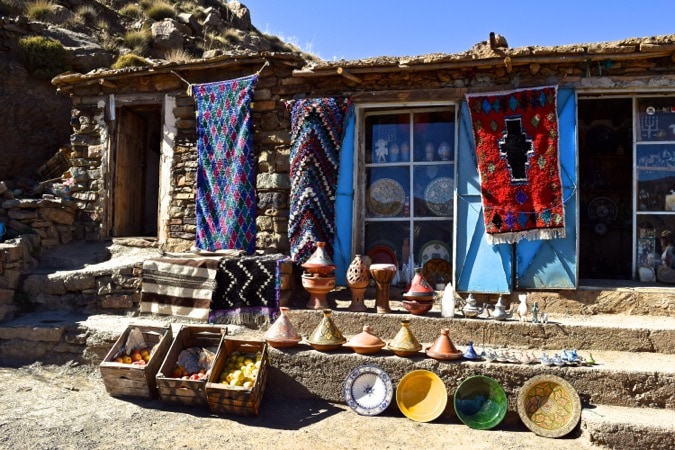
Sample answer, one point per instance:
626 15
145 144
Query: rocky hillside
42 38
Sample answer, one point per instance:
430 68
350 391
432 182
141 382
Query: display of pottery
470 353
282 334
382 274
365 342
480 402
420 289
358 278
443 349
549 406
417 308
326 336
319 262
421 396
368 390
405 343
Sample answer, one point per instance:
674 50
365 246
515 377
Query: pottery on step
405 343
282 334
382 274
499 311
326 336
420 289
365 342
471 309
470 352
318 287
417 307
443 349
358 278
319 262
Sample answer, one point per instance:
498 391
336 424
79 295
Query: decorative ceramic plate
480 402
549 406
434 249
437 269
368 390
381 254
421 396
438 196
603 209
385 198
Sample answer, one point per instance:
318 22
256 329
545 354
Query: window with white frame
409 172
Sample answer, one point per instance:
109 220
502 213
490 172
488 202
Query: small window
409 179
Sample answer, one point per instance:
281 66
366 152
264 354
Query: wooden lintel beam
348 75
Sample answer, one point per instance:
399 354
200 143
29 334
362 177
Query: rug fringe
530 235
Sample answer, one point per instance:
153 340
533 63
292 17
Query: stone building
132 158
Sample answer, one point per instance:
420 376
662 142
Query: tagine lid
365 340
281 333
443 348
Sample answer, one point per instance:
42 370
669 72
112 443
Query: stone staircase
628 398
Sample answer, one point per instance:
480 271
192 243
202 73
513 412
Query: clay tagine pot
319 263
443 349
420 289
318 288
282 334
326 336
405 343
365 342
417 308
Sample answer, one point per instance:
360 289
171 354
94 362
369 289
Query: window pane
656 119
656 177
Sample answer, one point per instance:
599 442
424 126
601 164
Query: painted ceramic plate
421 396
381 254
438 196
437 270
368 390
434 249
480 402
603 209
385 198
549 406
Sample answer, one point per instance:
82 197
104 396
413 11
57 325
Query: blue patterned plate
368 390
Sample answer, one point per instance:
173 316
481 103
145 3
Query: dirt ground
65 407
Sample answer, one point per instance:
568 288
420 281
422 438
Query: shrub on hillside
41 56
130 60
39 9
160 10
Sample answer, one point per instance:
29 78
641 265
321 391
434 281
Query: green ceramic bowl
480 402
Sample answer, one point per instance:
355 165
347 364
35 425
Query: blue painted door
547 264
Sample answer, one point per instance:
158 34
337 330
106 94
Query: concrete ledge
618 427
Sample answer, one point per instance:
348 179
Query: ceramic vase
319 262
420 289
365 342
405 343
382 274
443 349
282 334
326 336
357 280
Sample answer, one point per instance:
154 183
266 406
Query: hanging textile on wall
516 136
226 197
316 134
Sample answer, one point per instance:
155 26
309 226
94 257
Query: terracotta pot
326 336
382 274
420 289
417 308
358 278
405 343
318 288
282 334
443 348
319 263
365 342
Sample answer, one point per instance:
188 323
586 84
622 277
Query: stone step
621 427
590 333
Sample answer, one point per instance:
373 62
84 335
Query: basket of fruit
238 377
130 367
181 379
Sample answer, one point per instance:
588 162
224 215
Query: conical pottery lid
282 329
365 339
470 352
319 262
419 287
443 348
326 333
405 340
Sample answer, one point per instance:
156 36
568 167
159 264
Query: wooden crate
177 391
127 380
225 399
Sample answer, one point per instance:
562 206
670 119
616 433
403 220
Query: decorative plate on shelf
603 209
385 198
433 249
381 254
368 390
437 269
549 406
438 196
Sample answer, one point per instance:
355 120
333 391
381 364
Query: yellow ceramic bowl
421 396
